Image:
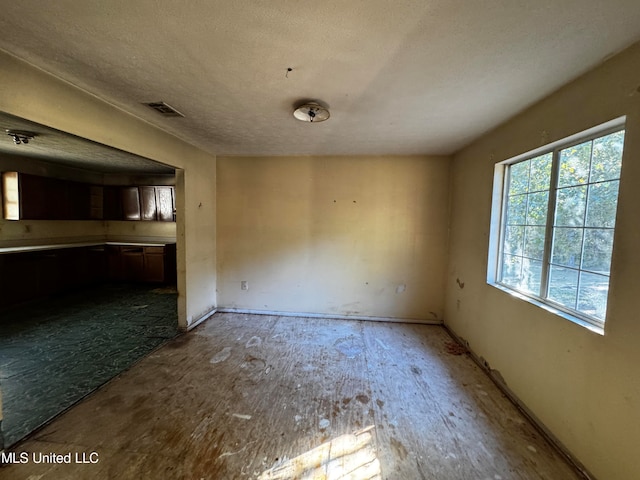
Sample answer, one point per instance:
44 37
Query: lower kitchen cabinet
153 264
28 275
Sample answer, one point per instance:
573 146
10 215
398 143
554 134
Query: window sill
551 309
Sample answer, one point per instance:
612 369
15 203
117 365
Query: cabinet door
133 263
148 203
20 273
115 269
96 203
154 268
78 201
165 202
96 264
39 199
45 198
131 203
112 203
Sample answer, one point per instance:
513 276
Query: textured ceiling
71 151
402 77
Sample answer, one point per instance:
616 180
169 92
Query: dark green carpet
54 352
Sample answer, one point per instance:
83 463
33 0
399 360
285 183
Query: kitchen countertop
58 246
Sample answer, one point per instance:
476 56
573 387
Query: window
556 224
10 196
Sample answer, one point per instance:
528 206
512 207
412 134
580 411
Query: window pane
598 245
592 298
537 208
563 286
511 270
602 203
513 240
567 247
516 210
531 275
578 243
540 172
607 157
519 178
570 206
574 165
534 242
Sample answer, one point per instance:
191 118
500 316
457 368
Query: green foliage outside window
557 235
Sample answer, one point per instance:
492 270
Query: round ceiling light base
311 112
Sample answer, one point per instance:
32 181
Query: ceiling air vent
164 109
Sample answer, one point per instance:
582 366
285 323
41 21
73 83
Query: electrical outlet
244 285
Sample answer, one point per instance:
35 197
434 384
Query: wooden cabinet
166 204
96 206
115 268
112 203
153 264
37 197
32 197
131 203
34 274
28 275
148 207
146 203
133 263
19 278
77 204
126 263
155 203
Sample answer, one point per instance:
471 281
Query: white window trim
497 219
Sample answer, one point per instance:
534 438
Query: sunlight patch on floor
351 456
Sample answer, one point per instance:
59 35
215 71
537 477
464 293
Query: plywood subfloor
265 397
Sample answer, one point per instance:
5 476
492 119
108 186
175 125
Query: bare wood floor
264 397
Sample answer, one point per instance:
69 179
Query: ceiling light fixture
311 112
21 136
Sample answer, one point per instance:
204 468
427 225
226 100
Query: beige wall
50 232
363 236
196 234
583 386
122 231
47 232
36 96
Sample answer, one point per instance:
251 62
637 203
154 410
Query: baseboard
325 315
203 318
536 422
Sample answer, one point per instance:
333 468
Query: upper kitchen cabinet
150 203
166 204
32 197
130 203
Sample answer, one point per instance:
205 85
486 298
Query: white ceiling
400 77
